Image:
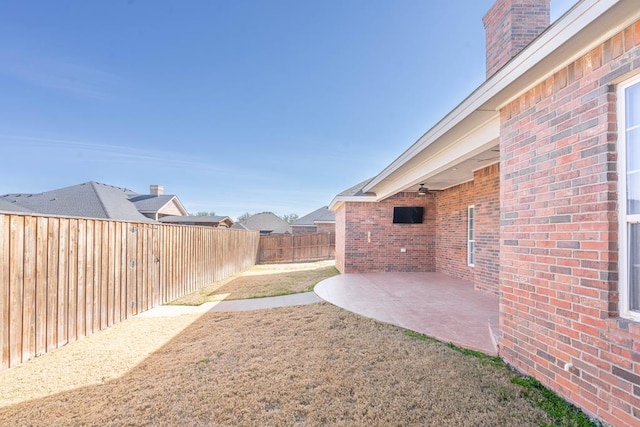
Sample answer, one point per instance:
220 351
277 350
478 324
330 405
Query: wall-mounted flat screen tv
408 214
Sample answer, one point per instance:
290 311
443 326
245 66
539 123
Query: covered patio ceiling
461 172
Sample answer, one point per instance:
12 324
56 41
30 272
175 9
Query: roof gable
151 203
322 214
267 222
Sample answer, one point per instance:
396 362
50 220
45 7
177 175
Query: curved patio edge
434 304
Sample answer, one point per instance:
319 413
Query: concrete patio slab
434 304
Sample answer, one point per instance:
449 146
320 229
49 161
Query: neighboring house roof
322 214
196 220
267 223
90 199
150 203
9 206
239 226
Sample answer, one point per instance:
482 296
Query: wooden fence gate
296 247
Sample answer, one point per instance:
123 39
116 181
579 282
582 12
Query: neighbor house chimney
510 25
156 190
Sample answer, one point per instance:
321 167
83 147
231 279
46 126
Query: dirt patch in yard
265 280
309 365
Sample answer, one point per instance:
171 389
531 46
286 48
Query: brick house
322 220
530 189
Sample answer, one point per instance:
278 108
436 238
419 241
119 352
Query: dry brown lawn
314 365
310 365
265 280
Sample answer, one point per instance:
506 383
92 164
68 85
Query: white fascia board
472 144
563 30
340 200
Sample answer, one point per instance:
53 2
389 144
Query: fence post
293 248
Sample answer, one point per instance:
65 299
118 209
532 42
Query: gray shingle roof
90 200
322 214
238 226
150 203
9 206
356 190
267 222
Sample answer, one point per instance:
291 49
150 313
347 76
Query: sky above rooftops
235 106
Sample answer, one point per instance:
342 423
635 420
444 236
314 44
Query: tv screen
408 214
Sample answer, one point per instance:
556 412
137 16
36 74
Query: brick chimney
510 25
156 190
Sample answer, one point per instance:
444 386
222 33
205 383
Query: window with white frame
629 197
471 239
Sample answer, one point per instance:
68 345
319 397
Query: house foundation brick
559 235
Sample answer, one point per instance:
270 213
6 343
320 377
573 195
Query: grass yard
266 280
313 365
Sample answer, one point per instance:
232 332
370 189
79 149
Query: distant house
156 204
95 200
203 221
321 220
266 223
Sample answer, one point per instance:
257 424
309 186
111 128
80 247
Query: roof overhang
472 128
340 200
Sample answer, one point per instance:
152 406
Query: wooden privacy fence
296 247
65 278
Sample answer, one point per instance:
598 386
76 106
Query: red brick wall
372 242
559 236
451 240
451 236
510 25
486 185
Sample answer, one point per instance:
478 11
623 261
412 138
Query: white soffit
582 28
441 156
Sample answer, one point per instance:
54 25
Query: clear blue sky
235 106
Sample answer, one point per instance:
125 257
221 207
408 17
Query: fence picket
29 295
41 285
72 277
5 261
16 290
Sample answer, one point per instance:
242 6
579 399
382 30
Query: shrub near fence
64 278
296 247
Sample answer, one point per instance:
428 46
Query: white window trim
623 219
470 209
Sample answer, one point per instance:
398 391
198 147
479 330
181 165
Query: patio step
494 332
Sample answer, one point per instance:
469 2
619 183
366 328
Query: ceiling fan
423 191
